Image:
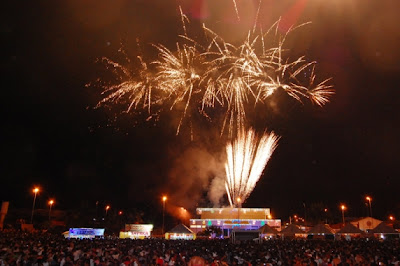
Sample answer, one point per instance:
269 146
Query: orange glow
238 200
36 190
120 213
343 207
164 198
325 210
51 202
391 218
107 207
184 214
295 216
368 198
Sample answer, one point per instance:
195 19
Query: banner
138 227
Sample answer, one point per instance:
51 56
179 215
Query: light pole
35 190
51 202
164 198
370 207
107 208
239 200
343 208
326 215
120 220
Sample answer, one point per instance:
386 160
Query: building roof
364 218
336 226
321 229
394 224
350 229
292 229
180 229
233 213
383 228
268 230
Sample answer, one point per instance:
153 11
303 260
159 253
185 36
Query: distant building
228 219
349 231
136 231
180 232
292 231
366 223
384 230
81 233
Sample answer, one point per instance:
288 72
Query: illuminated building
136 231
366 223
180 232
81 233
228 219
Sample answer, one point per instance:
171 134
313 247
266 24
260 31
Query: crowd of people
22 248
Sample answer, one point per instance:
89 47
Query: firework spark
134 90
207 74
236 9
217 74
247 157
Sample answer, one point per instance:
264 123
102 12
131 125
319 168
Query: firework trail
133 90
236 9
247 157
210 76
216 74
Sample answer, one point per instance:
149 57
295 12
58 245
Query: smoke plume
193 173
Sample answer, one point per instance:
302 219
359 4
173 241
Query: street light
107 208
370 208
343 208
35 190
326 215
391 218
238 200
164 198
51 202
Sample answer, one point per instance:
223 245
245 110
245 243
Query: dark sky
53 137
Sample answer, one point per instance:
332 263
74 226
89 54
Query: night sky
52 135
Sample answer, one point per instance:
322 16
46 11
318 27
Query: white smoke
217 190
194 172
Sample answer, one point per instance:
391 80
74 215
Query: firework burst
211 76
247 157
214 74
133 90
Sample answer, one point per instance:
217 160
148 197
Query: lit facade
229 219
136 231
85 233
180 236
366 223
